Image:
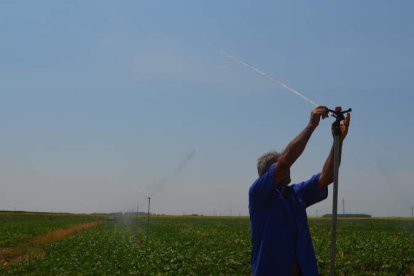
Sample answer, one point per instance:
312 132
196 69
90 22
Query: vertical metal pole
148 219
335 203
343 206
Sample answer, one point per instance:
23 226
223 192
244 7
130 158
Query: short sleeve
262 188
308 191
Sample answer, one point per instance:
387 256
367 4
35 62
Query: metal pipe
335 202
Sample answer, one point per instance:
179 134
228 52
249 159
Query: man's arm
327 176
297 145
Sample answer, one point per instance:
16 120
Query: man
281 239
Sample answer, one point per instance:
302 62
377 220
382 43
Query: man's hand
316 114
343 127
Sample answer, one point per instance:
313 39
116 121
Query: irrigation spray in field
338 114
181 166
183 163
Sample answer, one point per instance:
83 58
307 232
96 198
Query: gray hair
266 160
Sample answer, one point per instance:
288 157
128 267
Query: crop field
214 246
19 226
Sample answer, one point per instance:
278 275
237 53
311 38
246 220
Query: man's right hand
316 114
343 127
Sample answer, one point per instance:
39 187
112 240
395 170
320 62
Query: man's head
266 160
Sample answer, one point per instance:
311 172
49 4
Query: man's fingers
345 126
321 111
347 119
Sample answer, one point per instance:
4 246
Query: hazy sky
103 103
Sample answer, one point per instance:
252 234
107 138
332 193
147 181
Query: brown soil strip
410 270
35 246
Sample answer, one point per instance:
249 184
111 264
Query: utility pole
343 206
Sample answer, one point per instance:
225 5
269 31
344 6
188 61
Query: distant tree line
349 215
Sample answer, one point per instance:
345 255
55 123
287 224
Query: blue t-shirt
279 225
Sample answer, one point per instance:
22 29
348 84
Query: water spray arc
257 70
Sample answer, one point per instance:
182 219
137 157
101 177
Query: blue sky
100 101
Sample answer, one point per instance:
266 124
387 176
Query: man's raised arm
297 145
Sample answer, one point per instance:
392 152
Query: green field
19 226
216 246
